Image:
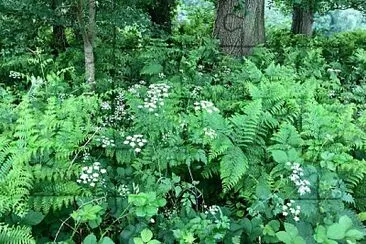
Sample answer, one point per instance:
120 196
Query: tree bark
59 41
239 28
302 20
89 34
161 13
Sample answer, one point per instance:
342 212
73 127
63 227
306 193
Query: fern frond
15 235
233 166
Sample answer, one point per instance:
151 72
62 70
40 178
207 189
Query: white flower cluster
106 106
196 91
296 177
295 212
106 142
210 133
209 107
214 209
119 110
162 75
136 142
227 70
135 89
15 75
86 157
91 175
123 190
155 96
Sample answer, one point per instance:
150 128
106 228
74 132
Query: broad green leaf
279 156
291 229
138 240
284 237
345 222
90 239
298 240
32 218
154 242
106 240
146 235
320 234
354 234
336 232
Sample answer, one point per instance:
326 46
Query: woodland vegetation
131 122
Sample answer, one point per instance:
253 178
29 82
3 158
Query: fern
15 235
233 166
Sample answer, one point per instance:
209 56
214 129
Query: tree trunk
239 28
59 41
302 20
161 13
88 33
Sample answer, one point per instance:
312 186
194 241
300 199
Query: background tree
303 11
239 25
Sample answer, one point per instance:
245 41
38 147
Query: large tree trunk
239 28
88 33
302 20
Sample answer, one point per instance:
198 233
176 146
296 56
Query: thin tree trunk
239 28
302 20
88 33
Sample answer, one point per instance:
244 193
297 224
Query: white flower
296 218
103 171
90 170
92 184
284 213
137 150
106 106
132 144
95 175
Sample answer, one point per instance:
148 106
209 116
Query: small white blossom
106 106
303 185
210 133
136 142
207 106
91 174
287 210
155 96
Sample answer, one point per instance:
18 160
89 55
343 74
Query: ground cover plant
176 141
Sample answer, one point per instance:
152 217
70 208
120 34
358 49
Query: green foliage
176 143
